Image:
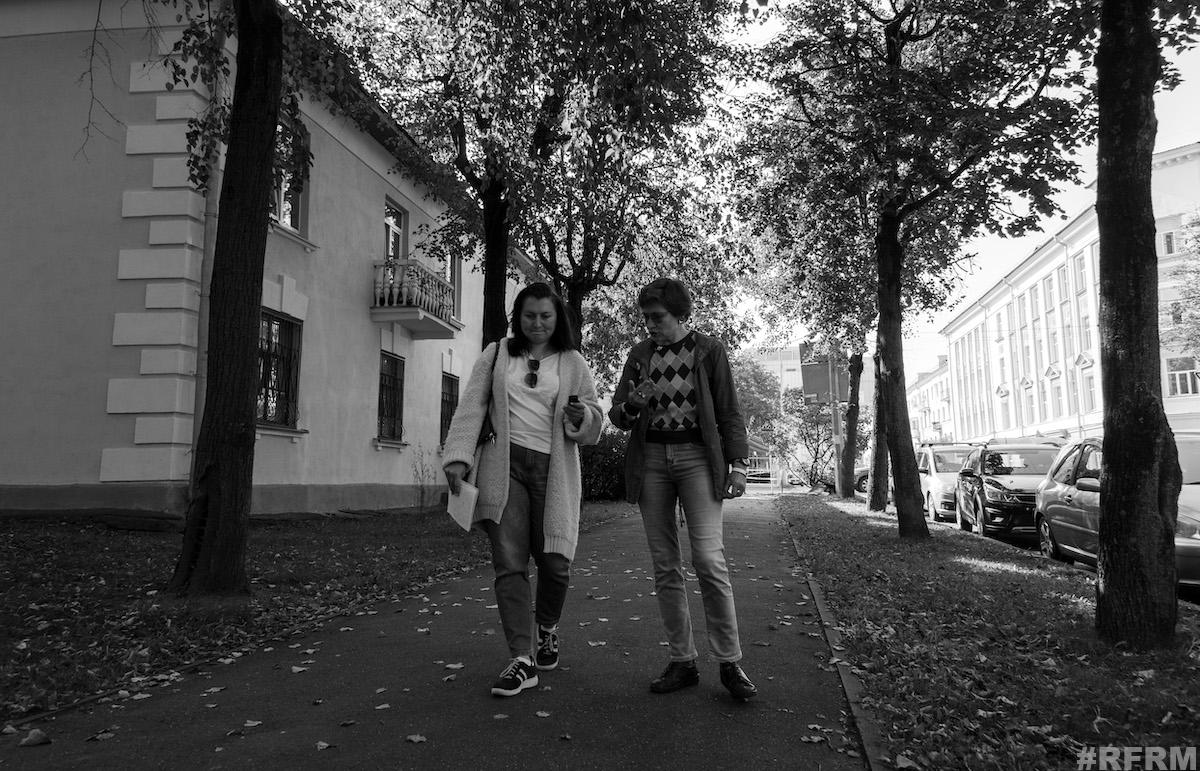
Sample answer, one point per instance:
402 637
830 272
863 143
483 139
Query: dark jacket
721 422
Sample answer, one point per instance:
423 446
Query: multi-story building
1024 358
106 250
929 405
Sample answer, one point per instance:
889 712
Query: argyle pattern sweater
672 370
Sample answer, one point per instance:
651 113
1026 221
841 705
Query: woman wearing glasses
687 445
539 395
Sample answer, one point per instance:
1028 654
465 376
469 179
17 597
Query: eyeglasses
531 375
656 317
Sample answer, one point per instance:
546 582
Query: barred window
391 397
449 403
278 369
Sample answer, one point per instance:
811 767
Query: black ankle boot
735 680
678 674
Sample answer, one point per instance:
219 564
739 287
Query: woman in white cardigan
539 393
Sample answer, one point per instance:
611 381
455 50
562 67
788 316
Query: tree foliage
930 120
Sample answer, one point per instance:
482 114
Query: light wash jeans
517 536
680 472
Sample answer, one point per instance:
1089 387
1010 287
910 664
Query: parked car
1068 512
939 464
861 478
997 487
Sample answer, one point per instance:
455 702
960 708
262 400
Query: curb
874 751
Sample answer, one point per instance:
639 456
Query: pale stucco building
929 409
105 249
1025 358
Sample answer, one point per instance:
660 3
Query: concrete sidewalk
368 686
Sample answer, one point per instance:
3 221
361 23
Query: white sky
1178 124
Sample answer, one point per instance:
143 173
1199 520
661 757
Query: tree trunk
495 259
889 257
576 295
877 485
850 434
212 560
1135 587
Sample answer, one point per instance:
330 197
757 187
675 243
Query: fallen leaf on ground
383 706
500 716
414 738
34 737
324 745
252 723
298 670
454 666
542 713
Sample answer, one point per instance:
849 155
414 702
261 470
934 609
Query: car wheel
1047 543
963 524
979 517
860 484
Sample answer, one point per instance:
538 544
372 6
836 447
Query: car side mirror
1087 485
967 472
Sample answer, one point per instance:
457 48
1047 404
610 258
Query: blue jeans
517 536
680 472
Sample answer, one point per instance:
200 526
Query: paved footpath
422 667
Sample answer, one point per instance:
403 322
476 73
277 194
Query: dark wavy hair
671 293
563 336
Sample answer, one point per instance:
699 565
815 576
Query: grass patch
82 607
975 654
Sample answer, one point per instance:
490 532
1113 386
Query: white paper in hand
461 507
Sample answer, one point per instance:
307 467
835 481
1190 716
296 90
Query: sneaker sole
547 667
530 683
689 684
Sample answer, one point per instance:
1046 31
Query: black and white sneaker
547 647
516 677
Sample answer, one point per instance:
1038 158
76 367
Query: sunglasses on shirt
531 375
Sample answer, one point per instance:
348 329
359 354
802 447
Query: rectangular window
279 369
289 196
449 403
1089 393
1034 310
395 229
1068 342
1056 395
1085 332
1005 419
1170 243
391 397
1026 362
1080 278
1022 316
1043 397
1029 417
1048 292
1063 289
1072 390
1037 346
1051 336
1183 379
454 274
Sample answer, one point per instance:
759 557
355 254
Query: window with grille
449 403
391 397
1183 378
278 369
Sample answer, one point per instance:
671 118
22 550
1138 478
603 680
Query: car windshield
949 460
1014 461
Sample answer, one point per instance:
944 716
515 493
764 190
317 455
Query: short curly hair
671 293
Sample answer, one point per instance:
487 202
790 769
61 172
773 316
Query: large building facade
1024 359
107 250
929 409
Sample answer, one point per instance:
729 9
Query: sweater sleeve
472 407
730 423
593 419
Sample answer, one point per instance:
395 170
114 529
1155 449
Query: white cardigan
564 488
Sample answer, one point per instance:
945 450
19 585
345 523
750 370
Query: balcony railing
410 294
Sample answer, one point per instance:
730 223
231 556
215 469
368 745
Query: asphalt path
406 685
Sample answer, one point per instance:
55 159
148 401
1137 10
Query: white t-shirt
531 410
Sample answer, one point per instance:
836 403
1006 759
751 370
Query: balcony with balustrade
408 293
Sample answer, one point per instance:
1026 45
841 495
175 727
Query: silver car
938 465
1068 512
